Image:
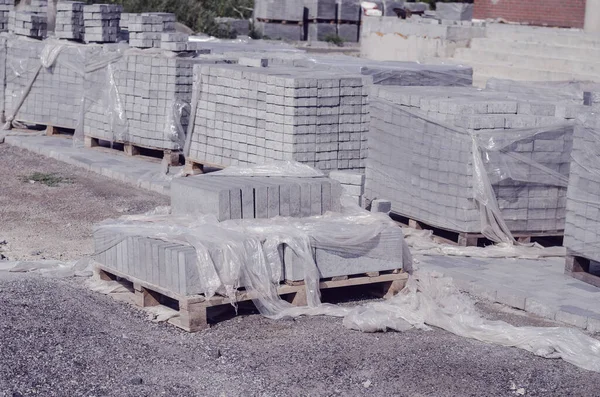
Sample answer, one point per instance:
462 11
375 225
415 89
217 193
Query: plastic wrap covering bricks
582 231
52 94
146 102
230 197
69 20
203 256
246 115
454 11
469 161
101 23
384 73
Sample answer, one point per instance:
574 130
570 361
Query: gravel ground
57 338
42 222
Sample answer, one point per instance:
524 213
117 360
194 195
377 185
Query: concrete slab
136 171
536 286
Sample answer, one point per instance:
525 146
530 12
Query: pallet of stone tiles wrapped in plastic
200 262
470 162
582 230
51 94
145 103
247 115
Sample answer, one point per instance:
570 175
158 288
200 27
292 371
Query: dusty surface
42 222
57 338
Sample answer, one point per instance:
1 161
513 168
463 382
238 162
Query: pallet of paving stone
462 239
194 310
169 156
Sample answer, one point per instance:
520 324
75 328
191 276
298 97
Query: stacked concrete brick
29 20
145 30
152 110
250 115
421 156
56 95
230 197
353 184
101 22
269 15
186 268
69 20
582 230
6 6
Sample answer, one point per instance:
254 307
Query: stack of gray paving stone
254 197
101 22
30 20
6 6
55 98
249 115
173 265
353 184
145 30
421 156
154 94
69 20
279 19
582 230
179 42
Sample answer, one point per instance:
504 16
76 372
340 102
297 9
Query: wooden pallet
466 239
193 309
579 267
51 130
279 21
170 156
193 167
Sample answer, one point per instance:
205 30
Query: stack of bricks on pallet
229 197
6 6
145 30
69 20
56 95
152 87
582 230
421 158
382 72
248 115
169 265
101 23
30 20
269 15
179 42
382 253
353 184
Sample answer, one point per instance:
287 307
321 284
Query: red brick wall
561 13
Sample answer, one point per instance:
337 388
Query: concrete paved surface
113 164
536 286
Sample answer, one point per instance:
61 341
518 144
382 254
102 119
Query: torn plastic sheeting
429 300
49 268
422 242
495 158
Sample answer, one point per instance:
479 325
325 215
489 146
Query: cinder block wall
558 13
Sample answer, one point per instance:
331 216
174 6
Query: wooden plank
193 309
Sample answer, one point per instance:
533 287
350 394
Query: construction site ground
58 338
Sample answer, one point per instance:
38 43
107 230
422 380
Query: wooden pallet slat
193 310
168 156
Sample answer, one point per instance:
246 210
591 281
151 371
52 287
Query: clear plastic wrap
582 231
488 181
430 300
